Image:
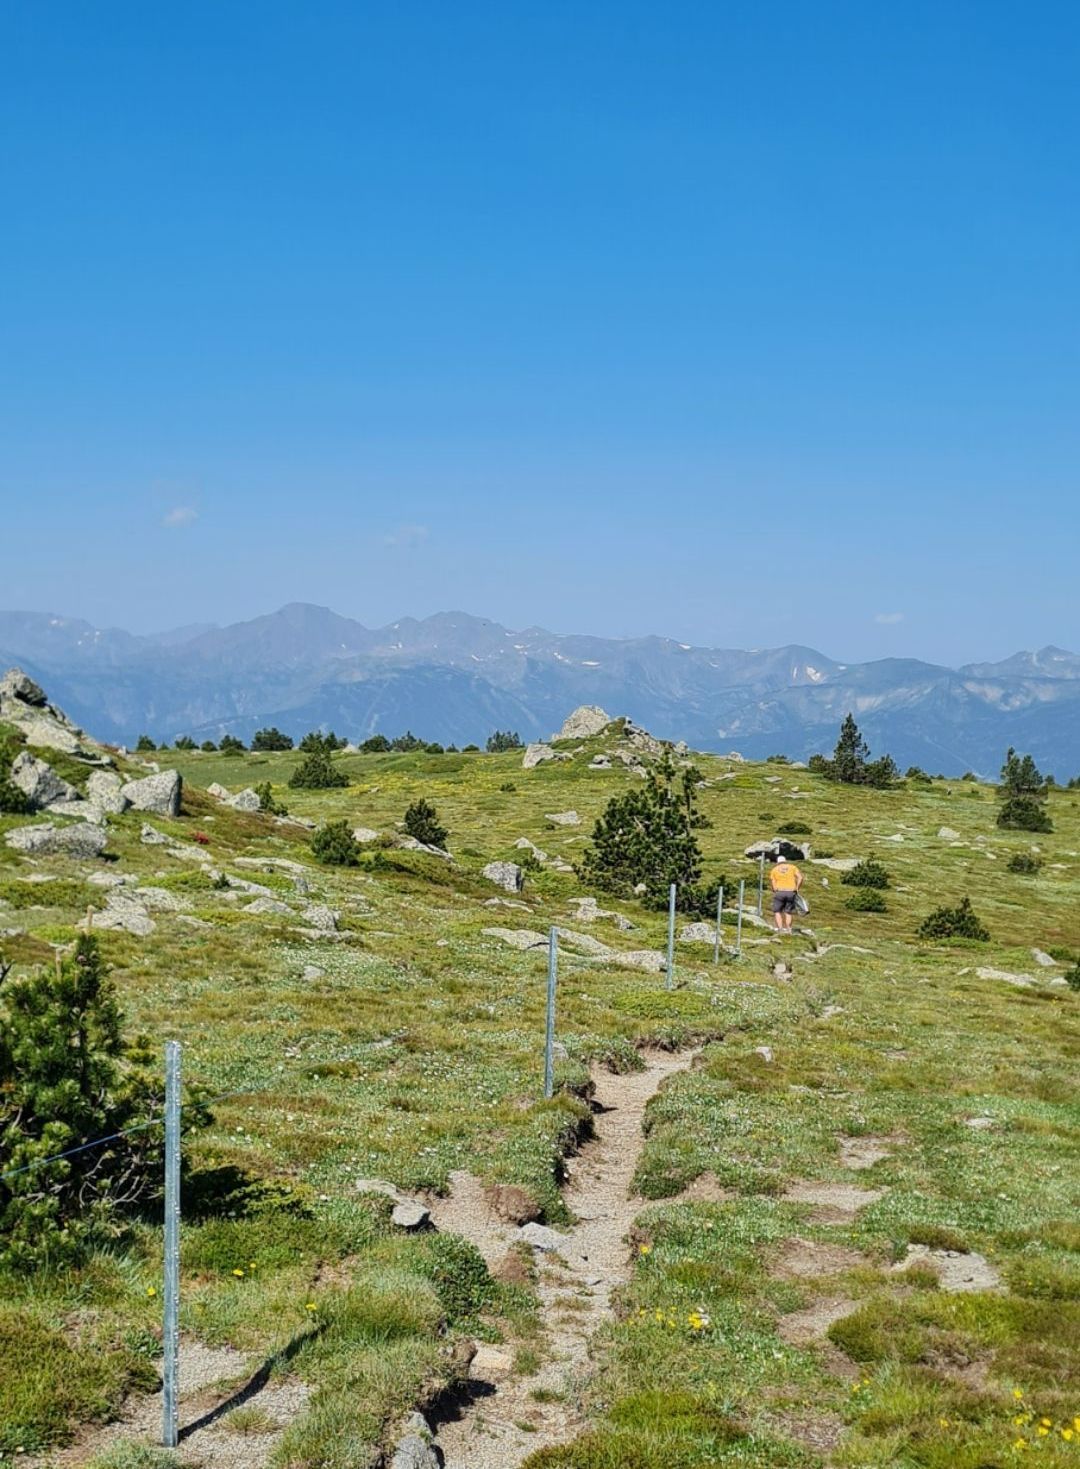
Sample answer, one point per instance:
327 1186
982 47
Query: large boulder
587 720
23 703
536 755
158 793
39 782
105 791
780 847
82 841
245 800
508 876
16 684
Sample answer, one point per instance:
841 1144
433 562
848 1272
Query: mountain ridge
454 676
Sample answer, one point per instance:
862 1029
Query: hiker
785 879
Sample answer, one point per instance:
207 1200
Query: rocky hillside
454 678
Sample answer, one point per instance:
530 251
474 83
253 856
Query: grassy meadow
765 1297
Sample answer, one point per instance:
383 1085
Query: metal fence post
171 1321
718 943
549 1032
760 882
671 937
738 921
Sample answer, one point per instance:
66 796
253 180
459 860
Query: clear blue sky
742 323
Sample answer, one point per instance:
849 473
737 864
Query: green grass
417 1050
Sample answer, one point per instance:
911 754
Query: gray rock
364 834
379 1186
1044 960
584 943
218 791
414 1452
491 1363
158 793
151 837
599 762
697 933
1022 981
16 684
311 972
780 847
81 842
245 800
586 720
507 875
105 790
836 864
39 782
320 916
123 911
519 938
535 755
524 845
161 899
564 818
268 905
765 1052
947 834
548 1241
410 1216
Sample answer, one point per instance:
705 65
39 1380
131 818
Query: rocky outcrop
508 876
39 782
535 755
83 841
587 720
159 794
23 703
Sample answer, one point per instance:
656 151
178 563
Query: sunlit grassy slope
416 1049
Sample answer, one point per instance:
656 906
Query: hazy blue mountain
455 677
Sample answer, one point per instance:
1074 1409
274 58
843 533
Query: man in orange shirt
785 879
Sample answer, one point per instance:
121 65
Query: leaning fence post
738 921
549 1033
718 942
171 1293
671 937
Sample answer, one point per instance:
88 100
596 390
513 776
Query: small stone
410 1215
261 906
491 1364
548 1241
365 834
564 818
946 834
218 791
765 1052
312 971
414 1452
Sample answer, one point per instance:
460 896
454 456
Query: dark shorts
784 902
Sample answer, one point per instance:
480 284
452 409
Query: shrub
317 773
315 742
407 743
969 775
960 922
184 742
265 793
67 1077
1026 862
13 801
144 743
794 829
230 745
866 900
646 838
777 760
916 772
271 739
508 787
208 747
376 744
423 824
1024 813
470 749
434 749
335 846
1072 976
818 765
868 874
502 740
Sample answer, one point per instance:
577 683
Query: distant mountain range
455 678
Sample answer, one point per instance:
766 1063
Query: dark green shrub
317 773
1025 862
508 787
407 743
144 744
265 793
208 747
503 740
969 775
335 846
960 922
794 829
230 745
434 749
12 800
423 824
271 739
1072 976
916 772
184 742
868 874
866 900
1024 813
818 765
470 749
315 742
376 744
777 760
68 1077
457 1270
851 763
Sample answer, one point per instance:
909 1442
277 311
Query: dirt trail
501 1421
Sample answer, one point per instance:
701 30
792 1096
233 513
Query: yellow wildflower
1067 1435
644 1249
1021 1443
239 1274
1047 1422
1018 1393
943 1423
150 1291
310 1306
1041 1431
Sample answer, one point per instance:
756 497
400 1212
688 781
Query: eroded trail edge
506 1416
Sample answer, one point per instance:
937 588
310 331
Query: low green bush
794 829
317 773
1025 862
960 922
868 874
335 846
1024 813
866 900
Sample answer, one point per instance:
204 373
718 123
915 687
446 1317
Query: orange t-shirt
784 878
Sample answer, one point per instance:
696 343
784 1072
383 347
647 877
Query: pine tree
423 825
271 739
851 763
335 846
503 740
317 773
1023 793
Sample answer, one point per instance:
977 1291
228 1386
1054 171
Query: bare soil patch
808 1259
864 1152
833 1203
804 1328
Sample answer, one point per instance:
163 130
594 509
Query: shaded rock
16 684
105 790
410 1216
39 782
586 720
524 845
151 837
507 875
540 1237
415 1452
536 754
780 847
158 793
82 842
564 818
599 762
320 916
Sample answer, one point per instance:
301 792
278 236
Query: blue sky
745 324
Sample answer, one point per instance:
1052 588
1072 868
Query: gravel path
501 1422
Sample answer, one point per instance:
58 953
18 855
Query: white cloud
180 515
888 618
407 536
